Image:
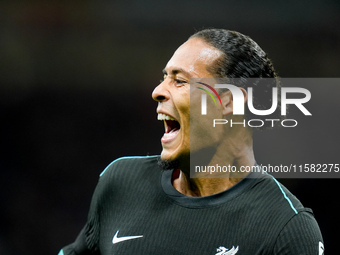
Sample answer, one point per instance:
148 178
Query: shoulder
294 226
126 176
301 235
126 172
130 163
275 194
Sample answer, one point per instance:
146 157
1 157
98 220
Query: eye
180 81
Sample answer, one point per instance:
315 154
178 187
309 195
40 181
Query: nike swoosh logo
117 239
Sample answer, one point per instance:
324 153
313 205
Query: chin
166 155
174 154
181 158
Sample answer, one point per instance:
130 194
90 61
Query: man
152 205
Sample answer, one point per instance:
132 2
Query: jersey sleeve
301 235
87 241
88 238
79 246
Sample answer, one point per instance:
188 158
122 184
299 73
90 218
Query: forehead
194 56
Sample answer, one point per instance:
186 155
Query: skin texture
233 145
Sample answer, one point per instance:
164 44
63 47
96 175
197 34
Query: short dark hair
242 59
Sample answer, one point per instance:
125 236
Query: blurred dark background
75 93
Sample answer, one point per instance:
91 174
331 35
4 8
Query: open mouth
171 125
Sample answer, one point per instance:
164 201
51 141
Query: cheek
183 98
182 105
202 130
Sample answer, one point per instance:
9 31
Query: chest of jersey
159 226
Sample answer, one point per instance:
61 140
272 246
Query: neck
235 152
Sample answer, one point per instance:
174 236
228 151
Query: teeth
162 116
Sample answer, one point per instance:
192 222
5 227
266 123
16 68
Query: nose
160 93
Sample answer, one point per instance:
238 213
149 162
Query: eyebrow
176 71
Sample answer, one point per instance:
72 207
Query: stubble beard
166 164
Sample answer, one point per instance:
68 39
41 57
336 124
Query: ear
227 101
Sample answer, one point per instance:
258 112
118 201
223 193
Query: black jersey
136 210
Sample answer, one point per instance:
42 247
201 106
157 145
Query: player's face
173 94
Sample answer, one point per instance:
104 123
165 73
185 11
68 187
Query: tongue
173 129
172 126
